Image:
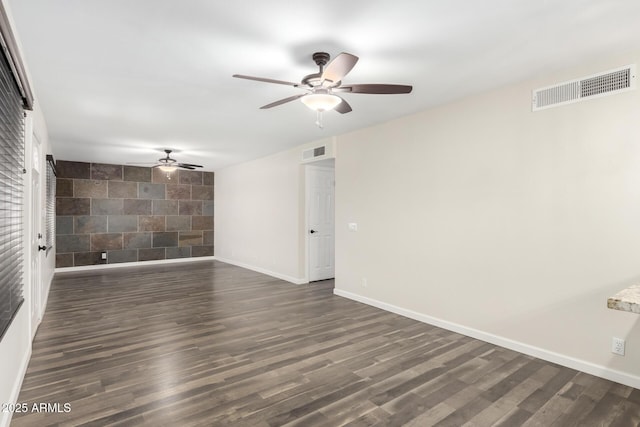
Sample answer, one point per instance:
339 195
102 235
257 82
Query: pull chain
319 119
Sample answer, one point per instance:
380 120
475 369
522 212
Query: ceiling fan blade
262 79
378 89
282 101
343 107
189 165
185 167
339 67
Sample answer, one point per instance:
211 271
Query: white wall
15 347
510 225
259 214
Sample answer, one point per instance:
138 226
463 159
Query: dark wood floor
209 344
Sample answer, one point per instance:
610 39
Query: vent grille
602 84
312 153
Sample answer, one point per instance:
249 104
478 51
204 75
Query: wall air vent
606 83
312 153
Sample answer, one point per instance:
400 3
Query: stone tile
190 238
150 191
151 223
165 207
207 237
136 207
122 223
64 260
175 191
151 254
72 206
64 187
72 243
64 225
136 240
190 207
106 172
76 170
107 207
87 258
165 239
208 178
89 224
178 223
207 207
202 192
159 177
197 251
127 255
137 174
202 223
106 241
190 177
90 188
123 190
184 252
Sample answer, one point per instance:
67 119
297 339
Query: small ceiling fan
321 87
167 164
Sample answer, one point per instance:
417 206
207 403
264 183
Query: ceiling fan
167 164
321 87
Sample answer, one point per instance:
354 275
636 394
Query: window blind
11 195
50 226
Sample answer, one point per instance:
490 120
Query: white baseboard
134 264
15 393
291 279
5 417
560 359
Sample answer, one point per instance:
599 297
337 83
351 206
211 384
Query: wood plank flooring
210 344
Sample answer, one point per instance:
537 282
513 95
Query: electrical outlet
617 346
364 282
103 255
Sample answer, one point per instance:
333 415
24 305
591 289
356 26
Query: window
11 195
50 221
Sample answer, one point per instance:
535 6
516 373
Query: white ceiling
118 80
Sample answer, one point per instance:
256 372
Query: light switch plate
353 226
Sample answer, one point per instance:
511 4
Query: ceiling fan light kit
321 101
168 165
167 168
320 86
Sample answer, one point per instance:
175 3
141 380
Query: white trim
5 419
133 264
291 279
17 386
550 356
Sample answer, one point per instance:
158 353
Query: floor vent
602 84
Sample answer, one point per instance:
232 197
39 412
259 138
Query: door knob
312 231
42 248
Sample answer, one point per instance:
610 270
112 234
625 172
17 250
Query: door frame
320 164
35 230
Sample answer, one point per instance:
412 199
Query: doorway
35 220
320 203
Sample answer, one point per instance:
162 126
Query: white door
36 253
320 187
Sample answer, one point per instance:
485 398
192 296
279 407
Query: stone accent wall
132 213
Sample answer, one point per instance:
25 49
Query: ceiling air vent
602 84
312 153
